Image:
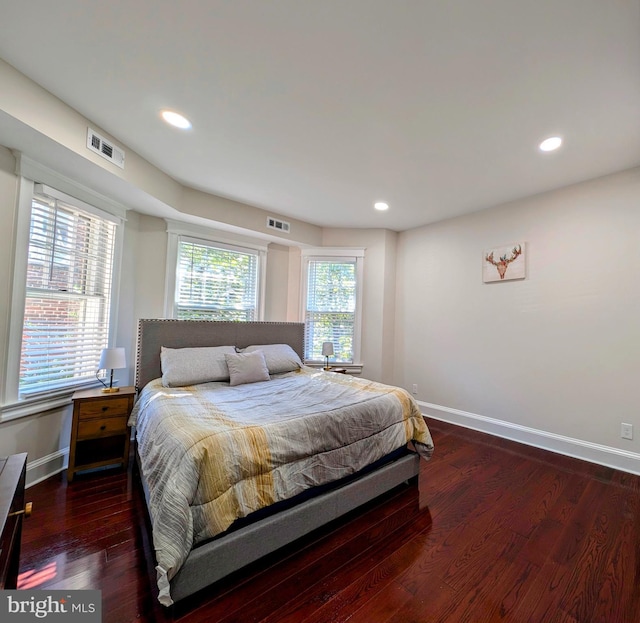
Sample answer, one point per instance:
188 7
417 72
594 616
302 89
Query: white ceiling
314 109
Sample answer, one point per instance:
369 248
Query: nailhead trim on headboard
172 333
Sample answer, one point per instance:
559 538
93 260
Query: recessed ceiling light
381 205
176 119
550 144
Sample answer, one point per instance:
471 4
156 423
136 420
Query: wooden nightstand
12 480
99 432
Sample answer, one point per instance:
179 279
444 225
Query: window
70 261
332 293
216 281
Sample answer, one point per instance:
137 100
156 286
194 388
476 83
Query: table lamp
111 359
327 351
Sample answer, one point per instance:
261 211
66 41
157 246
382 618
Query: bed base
220 557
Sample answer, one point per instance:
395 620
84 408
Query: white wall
150 265
293 291
8 195
277 282
129 284
552 360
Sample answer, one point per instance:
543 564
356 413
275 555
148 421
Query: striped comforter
212 453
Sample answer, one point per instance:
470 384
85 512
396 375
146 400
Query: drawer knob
103 427
104 408
28 508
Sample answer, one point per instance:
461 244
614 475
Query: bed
235 467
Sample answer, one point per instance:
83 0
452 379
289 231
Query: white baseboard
577 448
46 466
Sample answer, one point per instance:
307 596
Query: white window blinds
330 313
215 282
68 295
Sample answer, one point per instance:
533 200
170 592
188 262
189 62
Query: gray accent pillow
279 357
247 367
190 366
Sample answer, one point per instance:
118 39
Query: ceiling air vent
275 223
105 148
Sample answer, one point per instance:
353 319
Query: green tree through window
215 283
331 308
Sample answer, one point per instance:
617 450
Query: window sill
351 368
40 404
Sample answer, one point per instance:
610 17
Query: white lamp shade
327 349
112 359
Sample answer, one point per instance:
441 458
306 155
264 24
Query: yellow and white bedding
212 453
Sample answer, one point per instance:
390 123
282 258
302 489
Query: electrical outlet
414 388
626 431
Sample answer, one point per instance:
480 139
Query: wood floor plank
360 574
550 529
382 605
584 588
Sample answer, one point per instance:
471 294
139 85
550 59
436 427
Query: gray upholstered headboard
152 334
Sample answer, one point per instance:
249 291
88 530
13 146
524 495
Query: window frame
178 231
336 254
60 187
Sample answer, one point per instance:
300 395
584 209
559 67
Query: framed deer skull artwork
504 263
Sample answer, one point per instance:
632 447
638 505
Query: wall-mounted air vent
275 223
105 148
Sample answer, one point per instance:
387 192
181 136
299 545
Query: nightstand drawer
106 426
104 408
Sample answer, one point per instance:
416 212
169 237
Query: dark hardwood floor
496 531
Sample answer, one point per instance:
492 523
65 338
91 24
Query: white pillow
279 357
247 367
190 366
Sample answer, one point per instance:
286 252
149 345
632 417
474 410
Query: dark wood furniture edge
12 485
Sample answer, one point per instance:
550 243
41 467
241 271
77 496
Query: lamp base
327 368
110 390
